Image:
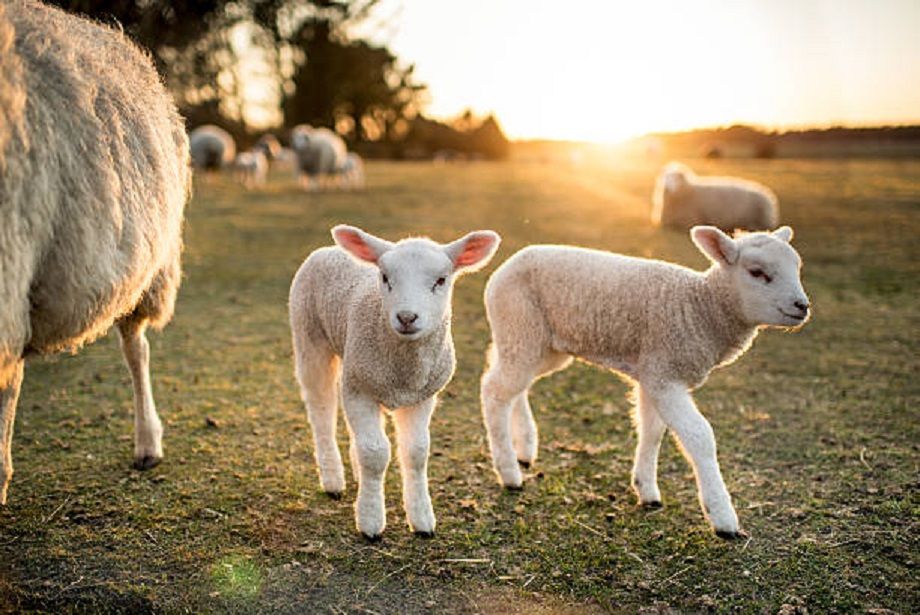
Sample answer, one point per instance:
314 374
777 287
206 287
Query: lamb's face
416 276
765 271
768 279
415 282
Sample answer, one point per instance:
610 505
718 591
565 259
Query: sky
604 71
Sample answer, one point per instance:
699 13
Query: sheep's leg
148 431
523 430
650 428
318 373
10 384
676 408
412 440
373 451
500 387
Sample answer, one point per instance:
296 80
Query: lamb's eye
385 279
760 273
438 282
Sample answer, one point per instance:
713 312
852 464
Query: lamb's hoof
726 535
515 488
653 505
334 495
524 464
372 538
425 535
146 462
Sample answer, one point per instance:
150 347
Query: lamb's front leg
148 431
365 420
676 408
10 384
412 438
649 428
524 430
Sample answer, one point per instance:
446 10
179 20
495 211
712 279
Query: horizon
841 64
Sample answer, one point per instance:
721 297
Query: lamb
352 171
682 199
212 148
251 168
661 326
320 154
374 317
94 177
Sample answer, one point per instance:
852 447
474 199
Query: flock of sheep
94 178
318 156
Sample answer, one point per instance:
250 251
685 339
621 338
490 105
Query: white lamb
320 154
212 148
682 199
663 326
251 168
352 171
94 177
376 315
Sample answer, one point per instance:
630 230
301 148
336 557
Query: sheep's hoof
372 539
146 462
425 535
524 464
334 495
514 488
654 504
739 535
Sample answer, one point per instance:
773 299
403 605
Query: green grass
818 431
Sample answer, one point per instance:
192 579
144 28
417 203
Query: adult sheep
320 152
683 199
212 148
94 177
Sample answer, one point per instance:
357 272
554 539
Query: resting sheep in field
376 315
94 176
320 154
212 148
663 326
251 168
683 199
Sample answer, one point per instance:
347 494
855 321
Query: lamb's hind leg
650 428
318 375
10 383
524 430
502 384
148 431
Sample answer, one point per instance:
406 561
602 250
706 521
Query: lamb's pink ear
359 244
473 251
784 232
716 245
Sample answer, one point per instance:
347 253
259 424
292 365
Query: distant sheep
251 168
352 172
320 154
269 145
212 148
377 316
662 326
683 199
94 176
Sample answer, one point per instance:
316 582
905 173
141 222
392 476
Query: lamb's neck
718 302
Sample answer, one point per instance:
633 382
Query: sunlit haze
604 71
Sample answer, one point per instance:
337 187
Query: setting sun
602 72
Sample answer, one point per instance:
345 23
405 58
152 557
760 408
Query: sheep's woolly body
94 176
319 150
640 317
682 199
94 180
335 302
211 147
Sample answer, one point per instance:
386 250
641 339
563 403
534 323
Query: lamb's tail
12 85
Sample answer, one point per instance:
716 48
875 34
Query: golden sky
607 70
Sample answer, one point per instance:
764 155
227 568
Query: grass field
818 431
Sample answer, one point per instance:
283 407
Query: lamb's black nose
406 318
802 306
